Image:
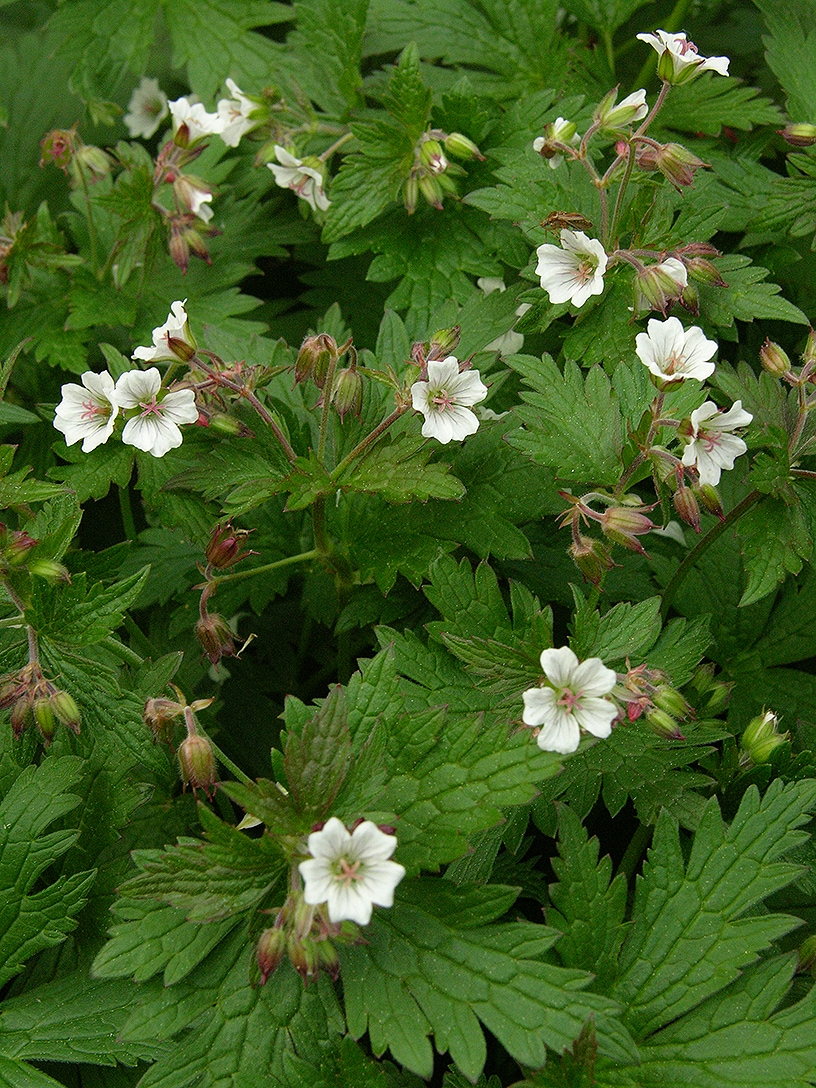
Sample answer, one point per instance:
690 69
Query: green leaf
588 906
698 912
328 42
708 104
747 297
626 630
407 99
91 474
572 423
419 974
316 757
18 1074
789 51
398 469
775 542
75 616
606 15
33 920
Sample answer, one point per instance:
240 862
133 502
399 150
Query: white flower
510 342
351 871
235 113
614 117
571 701
294 174
679 59
147 109
175 328
87 411
712 447
155 429
670 351
198 122
560 131
573 272
195 195
446 399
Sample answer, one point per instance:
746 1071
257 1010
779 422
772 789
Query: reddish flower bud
270 951
799 135
774 359
316 352
197 764
709 496
592 558
225 547
215 636
687 506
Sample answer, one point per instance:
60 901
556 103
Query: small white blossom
351 871
614 117
176 328
712 446
305 180
235 114
198 122
87 411
674 353
147 109
574 271
510 342
155 427
572 700
446 400
561 131
679 59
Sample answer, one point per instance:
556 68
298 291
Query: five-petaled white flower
575 271
172 340
87 411
446 399
351 871
679 60
147 109
572 700
235 114
300 177
712 446
155 427
195 118
673 353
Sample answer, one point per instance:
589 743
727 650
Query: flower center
150 408
710 439
441 399
347 872
585 269
91 409
675 362
568 699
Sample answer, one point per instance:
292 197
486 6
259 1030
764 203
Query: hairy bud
215 636
197 764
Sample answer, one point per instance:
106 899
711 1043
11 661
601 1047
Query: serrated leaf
775 543
417 974
316 757
76 616
91 474
626 630
33 920
572 422
708 104
789 47
329 40
697 913
398 469
747 296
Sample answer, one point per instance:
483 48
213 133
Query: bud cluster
304 934
623 520
82 162
432 172
647 692
317 361
761 738
32 697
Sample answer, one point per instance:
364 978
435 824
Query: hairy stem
302 557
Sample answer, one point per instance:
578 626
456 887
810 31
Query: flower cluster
88 412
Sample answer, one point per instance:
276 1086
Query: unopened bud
49 569
226 424
179 248
410 194
663 724
197 764
58 147
669 699
316 352
774 359
444 342
67 712
686 505
709 496
703 271
678 164
623 525
94 159
659 285
11 688
613 118
432 156
809 354
801 134
44 717
431 190
225 547
463 148
592 558
690 299
348 392
215 636
761 738
270 951
304 957
20 715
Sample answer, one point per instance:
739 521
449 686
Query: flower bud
761 738
20 715
197 764
809 354
270 951
303 954
678 165
801 134
50 569
431 190
690 299
774 359
703 271
592 558
347 393
94 159
328 959
432 156
158 714
669 699
14 546
58 147
709 496
444 342
663 724
612 118
225 547
687 506
44 718
215 636
316 352
179 247
11 688
659 285
623 525
463 148
67 712
410 194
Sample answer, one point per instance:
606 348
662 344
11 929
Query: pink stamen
569 699
92 410
441 400
151 409
348 873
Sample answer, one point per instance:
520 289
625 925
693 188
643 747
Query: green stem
613 225
127 513
337 144
124 653
303 557
92 235
635 851
363 445
703 545
322 545
225 759
324 415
